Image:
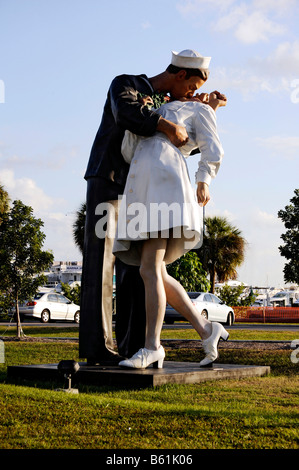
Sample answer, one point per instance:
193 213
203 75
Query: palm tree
78 226
223 250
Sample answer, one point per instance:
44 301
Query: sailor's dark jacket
121 111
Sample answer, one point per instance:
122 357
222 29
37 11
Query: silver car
209 305
51 306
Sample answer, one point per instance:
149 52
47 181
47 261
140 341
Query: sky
58 57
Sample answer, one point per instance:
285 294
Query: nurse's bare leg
178 298
210 333
153 252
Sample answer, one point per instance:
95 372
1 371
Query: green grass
251 413
242 334
41 331
168 333
229 414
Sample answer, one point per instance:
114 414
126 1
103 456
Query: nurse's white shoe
210 345
144 358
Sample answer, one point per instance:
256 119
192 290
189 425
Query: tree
4 207
4 202
290 249
78 226
72 293
21 256
232 295
222 251
189 272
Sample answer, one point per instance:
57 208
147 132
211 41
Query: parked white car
209 305
51 306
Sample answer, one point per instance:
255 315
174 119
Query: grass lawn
251 413
167 333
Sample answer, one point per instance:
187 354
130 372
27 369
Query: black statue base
172 372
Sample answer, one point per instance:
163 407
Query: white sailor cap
190 59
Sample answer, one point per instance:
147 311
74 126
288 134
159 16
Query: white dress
158 196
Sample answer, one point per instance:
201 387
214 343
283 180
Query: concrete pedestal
172 372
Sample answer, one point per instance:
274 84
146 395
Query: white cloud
246 82
57 225
239 79
146 25
278 7
264 219
27 191
58 216
248 27
212 211
272 74
256 27
250 22
282 62
285 146
55 158
231 19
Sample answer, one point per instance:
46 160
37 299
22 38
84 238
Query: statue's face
185 88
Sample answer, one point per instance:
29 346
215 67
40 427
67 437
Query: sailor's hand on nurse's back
179 137
176 134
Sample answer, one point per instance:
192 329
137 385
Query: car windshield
215 299
208 298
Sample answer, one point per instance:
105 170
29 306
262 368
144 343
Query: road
178 325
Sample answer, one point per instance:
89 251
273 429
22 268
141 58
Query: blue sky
58 58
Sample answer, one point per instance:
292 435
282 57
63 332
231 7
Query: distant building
67 272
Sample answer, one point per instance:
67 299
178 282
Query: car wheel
230 319
77 317
45 316
205 314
